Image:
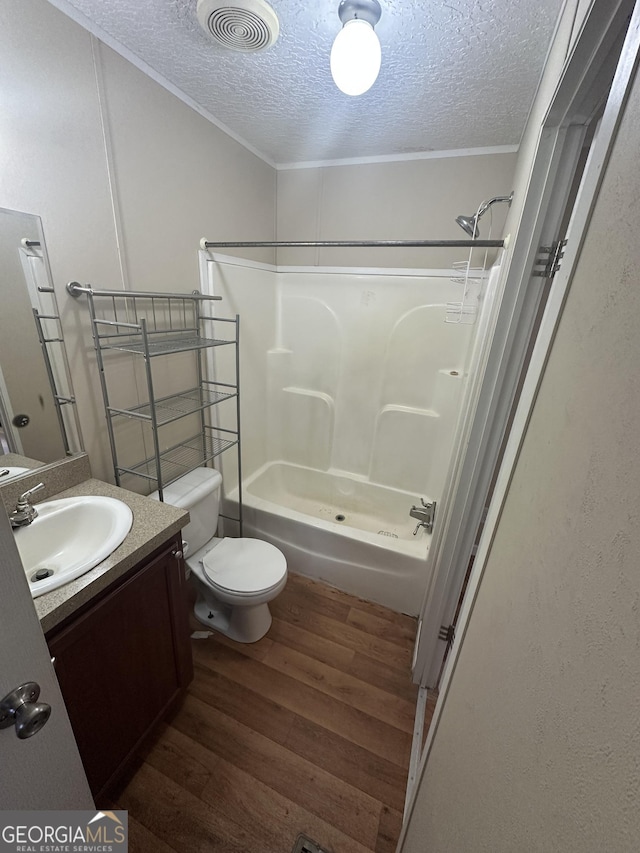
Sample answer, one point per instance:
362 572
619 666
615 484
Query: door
585 84
44 771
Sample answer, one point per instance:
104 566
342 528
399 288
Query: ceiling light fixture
356 53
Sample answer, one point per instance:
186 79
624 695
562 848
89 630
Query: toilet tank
199 493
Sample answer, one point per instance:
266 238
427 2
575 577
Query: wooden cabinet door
123 662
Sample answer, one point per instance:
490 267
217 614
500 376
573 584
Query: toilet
234 578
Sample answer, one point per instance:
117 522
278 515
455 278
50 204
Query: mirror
38 418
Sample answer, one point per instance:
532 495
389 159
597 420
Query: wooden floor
308 731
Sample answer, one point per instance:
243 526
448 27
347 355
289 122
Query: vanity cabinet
124 661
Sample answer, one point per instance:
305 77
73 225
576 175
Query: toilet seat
244 567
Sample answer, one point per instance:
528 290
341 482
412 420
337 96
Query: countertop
153 524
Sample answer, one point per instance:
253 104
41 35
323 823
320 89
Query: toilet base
244 624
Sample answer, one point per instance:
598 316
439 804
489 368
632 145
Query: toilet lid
244 565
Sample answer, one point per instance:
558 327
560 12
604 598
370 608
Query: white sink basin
69 537
8 472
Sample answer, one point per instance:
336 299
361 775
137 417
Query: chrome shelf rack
153 326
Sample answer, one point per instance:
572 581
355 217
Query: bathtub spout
425 515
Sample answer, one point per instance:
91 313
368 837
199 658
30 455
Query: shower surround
351 388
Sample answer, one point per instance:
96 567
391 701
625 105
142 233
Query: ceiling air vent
246 25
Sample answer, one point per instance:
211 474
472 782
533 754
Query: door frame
571 88
499 368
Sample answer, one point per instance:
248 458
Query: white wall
129 213
402 200
538 742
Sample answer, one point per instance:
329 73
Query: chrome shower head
469 224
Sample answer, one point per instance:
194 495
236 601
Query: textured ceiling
455 73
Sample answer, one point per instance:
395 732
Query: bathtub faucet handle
425 515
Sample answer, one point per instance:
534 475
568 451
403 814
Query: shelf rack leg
152 406
239 445
203 420
103 384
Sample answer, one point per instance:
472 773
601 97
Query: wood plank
351 723
317 588
192 774
389 830
326 651
348 809
245 705
378 777
261 714
183 820
300 600
257 651
351 638
381 779
279 820
143 840
393 681
401 635
346 688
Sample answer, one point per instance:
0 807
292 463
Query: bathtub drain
387 533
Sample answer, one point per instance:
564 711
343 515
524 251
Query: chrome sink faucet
24 512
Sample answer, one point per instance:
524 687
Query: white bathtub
353 534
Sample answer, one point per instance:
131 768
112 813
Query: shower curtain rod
76 289
400 244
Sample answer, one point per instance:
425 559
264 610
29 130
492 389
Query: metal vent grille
306 845
247 25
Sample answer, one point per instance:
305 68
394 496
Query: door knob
21 708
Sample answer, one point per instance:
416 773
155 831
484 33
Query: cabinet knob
178 555
20 708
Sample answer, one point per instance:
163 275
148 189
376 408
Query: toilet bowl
234 578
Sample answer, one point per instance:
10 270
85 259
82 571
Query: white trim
585 201
105 129
70 11
6 416
399 158
554 36
231 260
416 746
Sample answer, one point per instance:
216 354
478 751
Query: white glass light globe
355 57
